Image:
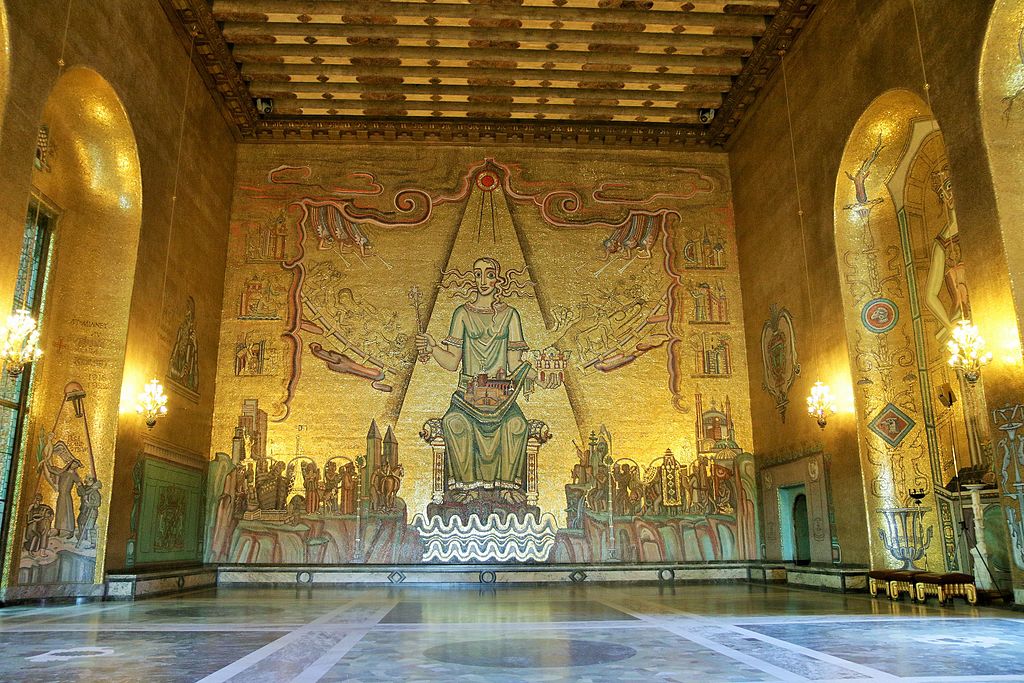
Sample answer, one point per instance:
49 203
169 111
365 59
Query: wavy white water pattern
495 539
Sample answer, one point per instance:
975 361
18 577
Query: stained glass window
14 391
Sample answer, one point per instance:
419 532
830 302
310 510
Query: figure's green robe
486 447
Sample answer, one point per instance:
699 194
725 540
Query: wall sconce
967 351
151 402
19 342
820 403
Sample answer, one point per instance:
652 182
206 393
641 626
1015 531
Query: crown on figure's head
551 353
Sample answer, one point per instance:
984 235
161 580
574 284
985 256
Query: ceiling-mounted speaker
264 105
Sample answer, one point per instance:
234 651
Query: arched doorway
92 187
801 531
794 533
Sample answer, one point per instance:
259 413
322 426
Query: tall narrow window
14 391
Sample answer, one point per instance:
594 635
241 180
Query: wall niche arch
903 287
92 180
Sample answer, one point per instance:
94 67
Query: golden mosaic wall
904 287
629 267
1001 83
110 177
95 179
807 274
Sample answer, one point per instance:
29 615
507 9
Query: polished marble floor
585 633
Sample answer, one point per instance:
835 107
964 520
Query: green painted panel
170 513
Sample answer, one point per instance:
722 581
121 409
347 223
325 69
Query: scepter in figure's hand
415 299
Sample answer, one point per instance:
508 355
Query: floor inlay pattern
509 634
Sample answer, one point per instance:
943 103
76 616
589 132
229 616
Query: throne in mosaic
538 435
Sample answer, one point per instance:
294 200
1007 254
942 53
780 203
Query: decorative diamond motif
578 576
396 577
892 424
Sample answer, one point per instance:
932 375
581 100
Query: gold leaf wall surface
624 311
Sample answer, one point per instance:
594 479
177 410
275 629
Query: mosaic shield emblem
778 355
879 315
892 425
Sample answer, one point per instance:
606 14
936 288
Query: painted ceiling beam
337 11
334 90
300 73
724 6
563 7
332 119
281 54
491 109
493 38
629 57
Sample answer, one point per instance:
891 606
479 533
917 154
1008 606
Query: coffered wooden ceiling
614 72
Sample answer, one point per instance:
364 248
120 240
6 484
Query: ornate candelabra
19 342
820 404
151 402
967 351
907 539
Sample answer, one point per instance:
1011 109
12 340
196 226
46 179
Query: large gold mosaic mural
468 358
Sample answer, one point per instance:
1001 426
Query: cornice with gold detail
776 41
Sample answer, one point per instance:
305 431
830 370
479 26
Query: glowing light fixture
967 351
820 404
19 342
151 402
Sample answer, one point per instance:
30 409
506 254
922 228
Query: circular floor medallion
530 653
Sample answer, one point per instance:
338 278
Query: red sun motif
487 181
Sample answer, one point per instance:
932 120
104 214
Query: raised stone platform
148 584
128 586
711 572
842 579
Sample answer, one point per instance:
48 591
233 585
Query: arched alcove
903 286
92 184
